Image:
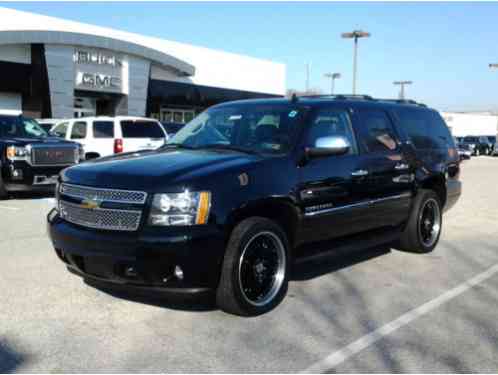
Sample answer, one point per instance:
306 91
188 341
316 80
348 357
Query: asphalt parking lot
376 311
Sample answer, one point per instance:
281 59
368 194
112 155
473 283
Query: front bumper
20 176
143 260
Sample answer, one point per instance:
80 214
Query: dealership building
57 68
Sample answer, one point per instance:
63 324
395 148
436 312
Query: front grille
107 195
100 218
53 155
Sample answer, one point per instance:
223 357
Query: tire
232 296
413 238
3 192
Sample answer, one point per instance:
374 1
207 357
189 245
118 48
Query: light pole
307 84
333 77
355 34
402 87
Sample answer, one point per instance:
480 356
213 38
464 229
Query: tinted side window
79 130
141 129
377 133
103 129
330 123
424 128
61 130
439 131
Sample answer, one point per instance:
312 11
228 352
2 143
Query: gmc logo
98 80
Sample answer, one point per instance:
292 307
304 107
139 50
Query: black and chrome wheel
429 222
424 226
254 277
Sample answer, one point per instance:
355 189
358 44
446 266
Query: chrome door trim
355 205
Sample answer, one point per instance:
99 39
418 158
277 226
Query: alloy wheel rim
429 221
262 266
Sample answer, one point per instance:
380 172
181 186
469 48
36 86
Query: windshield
17 126
470 139
261 128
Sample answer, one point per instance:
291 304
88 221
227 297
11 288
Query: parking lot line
364 342
9 208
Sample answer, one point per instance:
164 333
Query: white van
103 136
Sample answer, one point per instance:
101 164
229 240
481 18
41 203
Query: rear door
142 135
79 132
102 140
390 175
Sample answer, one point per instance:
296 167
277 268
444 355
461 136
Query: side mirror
329 146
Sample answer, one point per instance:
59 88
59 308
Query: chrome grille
107 195
100 218
54 155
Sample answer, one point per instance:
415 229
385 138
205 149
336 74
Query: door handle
359 173
401 166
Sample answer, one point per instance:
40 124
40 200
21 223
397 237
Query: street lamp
333 77
402 88
355 34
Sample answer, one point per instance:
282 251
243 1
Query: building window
180 116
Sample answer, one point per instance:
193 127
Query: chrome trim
360 204
328 210
99 224
359 173
31 159
96 190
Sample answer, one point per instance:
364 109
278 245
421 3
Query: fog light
17 174
130 272
178 273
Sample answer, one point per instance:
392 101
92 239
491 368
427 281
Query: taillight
118 146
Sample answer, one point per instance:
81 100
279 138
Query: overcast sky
444 48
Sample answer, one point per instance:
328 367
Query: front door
331 193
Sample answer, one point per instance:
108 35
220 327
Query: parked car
478 144
104 136
48 123
231 214
172 127
492 145
464 151
30 159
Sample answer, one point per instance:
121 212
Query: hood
40 140
155 170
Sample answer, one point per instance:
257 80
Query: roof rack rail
404 101
338 96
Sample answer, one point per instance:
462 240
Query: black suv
247 187
30 159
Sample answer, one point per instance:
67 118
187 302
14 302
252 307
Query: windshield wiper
229 147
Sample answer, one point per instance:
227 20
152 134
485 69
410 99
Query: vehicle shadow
206 301
199 302
303 270
30 195
10 359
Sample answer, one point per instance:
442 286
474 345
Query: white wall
17 53
463 124
212 67
10 101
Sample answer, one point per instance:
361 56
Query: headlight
16 152
187 208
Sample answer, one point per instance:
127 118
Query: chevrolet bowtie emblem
90 204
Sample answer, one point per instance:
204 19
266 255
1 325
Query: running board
344 246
